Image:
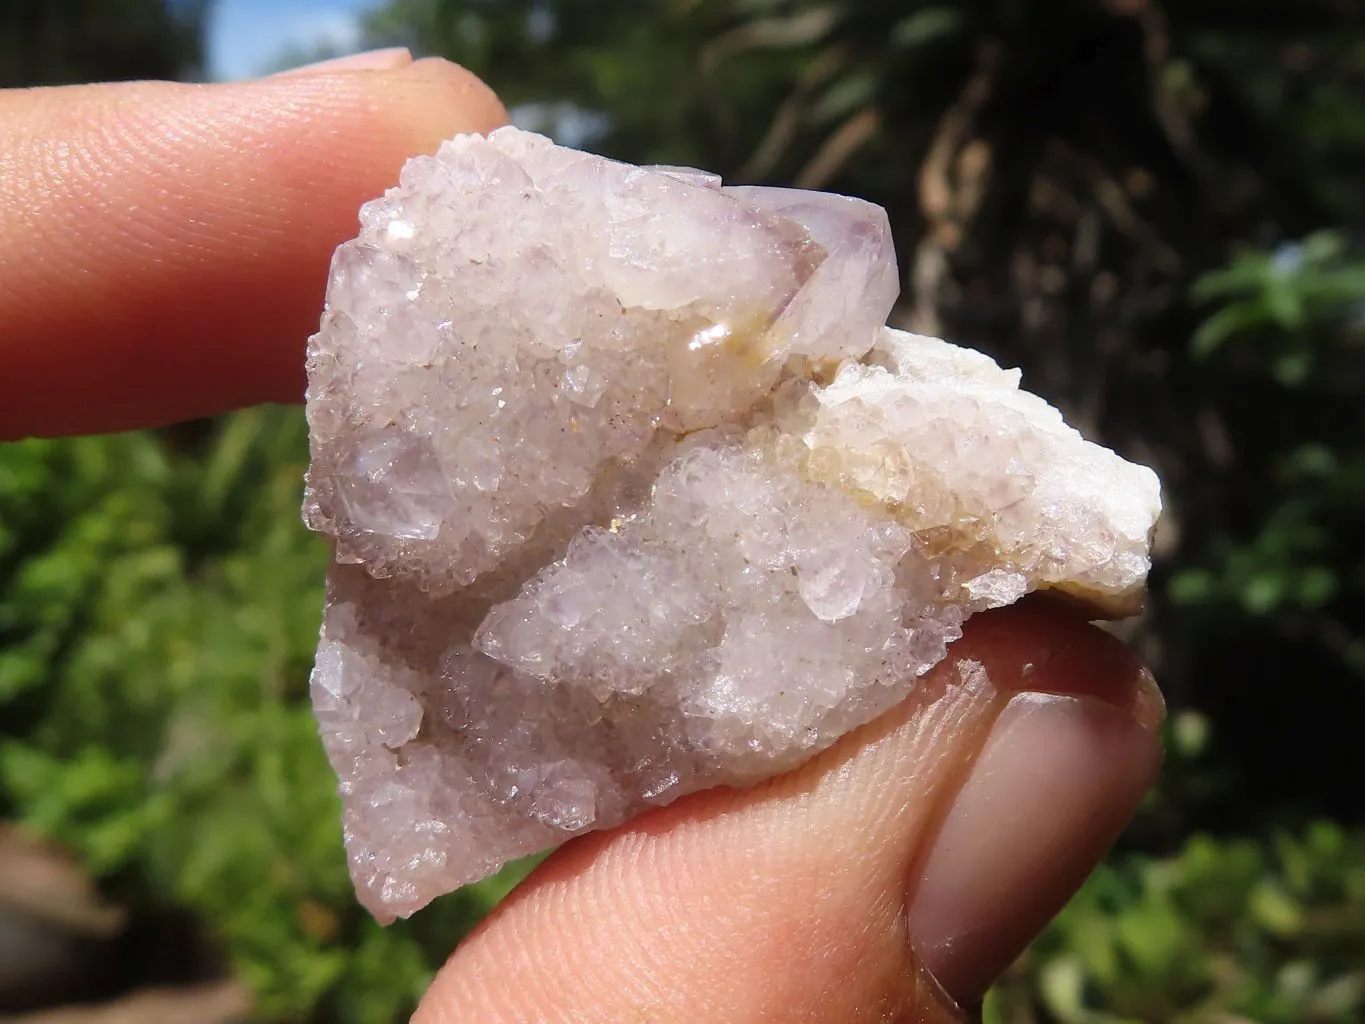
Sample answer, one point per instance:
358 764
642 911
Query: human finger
164 247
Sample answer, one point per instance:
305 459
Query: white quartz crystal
632 494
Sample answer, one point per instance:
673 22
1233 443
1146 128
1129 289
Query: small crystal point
632 495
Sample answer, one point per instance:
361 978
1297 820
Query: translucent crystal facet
632 494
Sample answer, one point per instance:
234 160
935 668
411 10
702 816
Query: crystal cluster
631 494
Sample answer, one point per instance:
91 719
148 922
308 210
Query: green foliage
156 633
1305 302
57 42
1289 326
1224 930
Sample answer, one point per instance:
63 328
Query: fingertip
443 99
1066 765
366 122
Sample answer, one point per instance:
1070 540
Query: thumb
890 879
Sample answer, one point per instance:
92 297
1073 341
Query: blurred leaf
1226 323
1245 275
847 94
1273 909
1190 732
1192 586
925 26
1263 592
1284 305
799 29
1316 586
1060 984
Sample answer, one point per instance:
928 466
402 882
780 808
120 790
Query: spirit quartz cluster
632 494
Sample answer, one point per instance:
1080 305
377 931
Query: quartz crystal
632 494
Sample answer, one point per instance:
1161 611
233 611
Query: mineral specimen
631 494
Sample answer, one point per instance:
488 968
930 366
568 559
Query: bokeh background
1153 206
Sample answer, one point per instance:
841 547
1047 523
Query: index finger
164 247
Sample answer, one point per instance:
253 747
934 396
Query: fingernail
1057 780
389 59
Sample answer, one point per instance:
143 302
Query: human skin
163 254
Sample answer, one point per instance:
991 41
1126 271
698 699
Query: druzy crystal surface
631 494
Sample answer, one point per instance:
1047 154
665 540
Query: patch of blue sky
249 37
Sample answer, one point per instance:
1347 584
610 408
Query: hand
163 251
